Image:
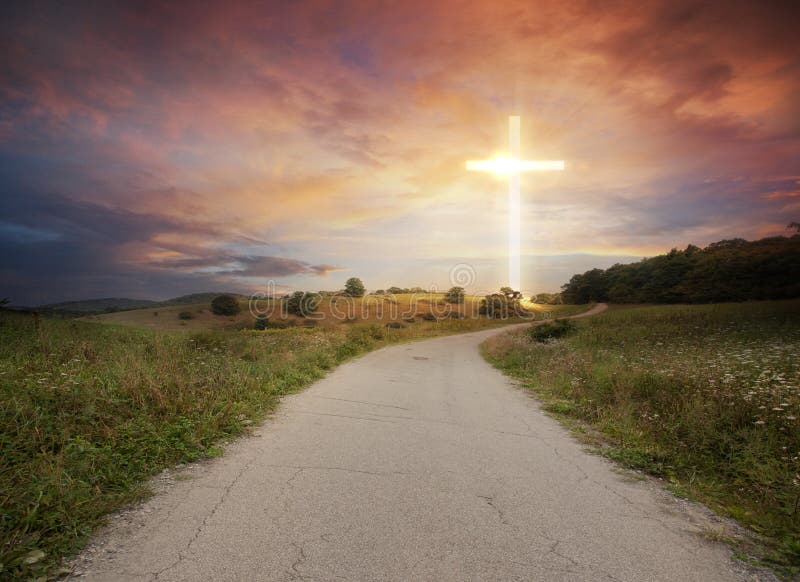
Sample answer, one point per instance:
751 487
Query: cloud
280 139
246 266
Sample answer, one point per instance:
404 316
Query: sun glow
513 167
504 166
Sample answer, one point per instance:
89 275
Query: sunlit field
332 311
705 396
88 412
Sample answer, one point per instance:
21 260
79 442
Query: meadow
706 397
89 411
331 312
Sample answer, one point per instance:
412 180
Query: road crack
490 502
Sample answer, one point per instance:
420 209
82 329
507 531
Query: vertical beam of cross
513 166
514 210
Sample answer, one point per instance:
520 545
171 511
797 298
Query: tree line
728 270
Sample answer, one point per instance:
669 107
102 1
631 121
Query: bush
302 304
225 305
261 323
429 316
551 330
395 325
185 315
547 299
455 295
495 305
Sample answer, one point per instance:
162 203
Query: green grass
707 397
88 412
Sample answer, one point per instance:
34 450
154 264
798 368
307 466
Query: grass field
706 396
88 412
332 311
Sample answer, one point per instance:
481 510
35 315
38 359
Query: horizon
150 151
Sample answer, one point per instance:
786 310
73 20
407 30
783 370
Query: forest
728 270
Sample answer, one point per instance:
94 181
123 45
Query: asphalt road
415 462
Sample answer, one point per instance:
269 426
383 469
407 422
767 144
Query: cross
513 166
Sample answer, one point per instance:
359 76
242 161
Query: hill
332 311
194 298
89 306
728 270
114 304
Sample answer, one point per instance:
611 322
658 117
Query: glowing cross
512 167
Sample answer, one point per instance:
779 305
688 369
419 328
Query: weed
705 396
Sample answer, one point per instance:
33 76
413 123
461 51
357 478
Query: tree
795 226
354 287
510 293
225 305
547 298
261 323
494 305
3 302
728 270
455 295
302 304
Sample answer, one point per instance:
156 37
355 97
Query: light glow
512 167
505 166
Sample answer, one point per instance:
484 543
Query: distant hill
728 270
92 306
114 304
194 298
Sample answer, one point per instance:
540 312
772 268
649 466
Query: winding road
415 462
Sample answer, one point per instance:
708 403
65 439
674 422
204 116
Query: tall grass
706 396
89 411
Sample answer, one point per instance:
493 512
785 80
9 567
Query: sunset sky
153 149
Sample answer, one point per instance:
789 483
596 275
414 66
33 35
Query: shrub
261 323
225 305
428 316
302 304
455 295
185 315
494 305
354 287
547 298
551 330
280 324
395 325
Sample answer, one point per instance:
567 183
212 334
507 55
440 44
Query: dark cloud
247 266
55 248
